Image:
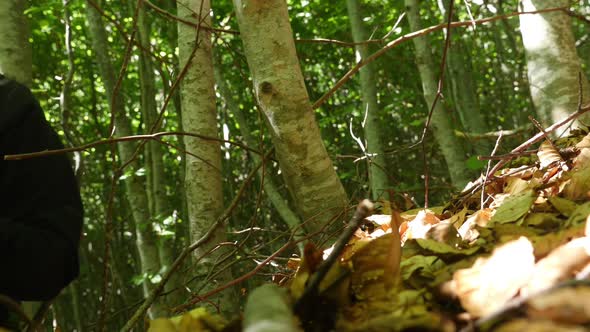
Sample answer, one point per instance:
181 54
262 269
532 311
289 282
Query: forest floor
520 263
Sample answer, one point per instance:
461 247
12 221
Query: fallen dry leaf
480 218
492 281
520 325
376 267
419 226
565 304
548 155
559 265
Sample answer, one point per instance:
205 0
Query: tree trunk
463 87
15 50
135 187
281 93
161 209
378 178
203 183
442 127
270 187
552 61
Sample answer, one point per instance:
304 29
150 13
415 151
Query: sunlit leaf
514 207
490 282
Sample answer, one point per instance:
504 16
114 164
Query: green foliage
255 227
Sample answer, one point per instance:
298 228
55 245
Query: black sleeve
40 208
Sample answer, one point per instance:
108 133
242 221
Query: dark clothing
40 207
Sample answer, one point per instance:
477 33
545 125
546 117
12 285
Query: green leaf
474 163
427 266
579 215
138 279
514 207
443 248
417 123
268 309
563 205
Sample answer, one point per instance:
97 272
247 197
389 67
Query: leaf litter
521 262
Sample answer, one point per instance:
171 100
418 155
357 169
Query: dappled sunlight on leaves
503 266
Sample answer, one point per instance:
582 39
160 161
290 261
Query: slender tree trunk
15 50
203 184
281 93
552 61
171 32
161 209
135 187
442 128
378 178
463 87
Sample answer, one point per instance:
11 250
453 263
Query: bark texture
269 185
203 181
15 50
378 178
441 125
552 61
281 93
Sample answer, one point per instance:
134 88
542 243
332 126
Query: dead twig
140 312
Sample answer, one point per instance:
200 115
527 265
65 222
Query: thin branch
114 140
124 35
173 88
413 35
488 169
538 137
140 312
339 42
437 97
105 293
236 281
169 15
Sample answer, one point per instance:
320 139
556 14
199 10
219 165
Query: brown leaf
376 266
520 325
548 155
566 304
418 227
480 218
579 185
560 264
492 281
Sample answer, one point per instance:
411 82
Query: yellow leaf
161 325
